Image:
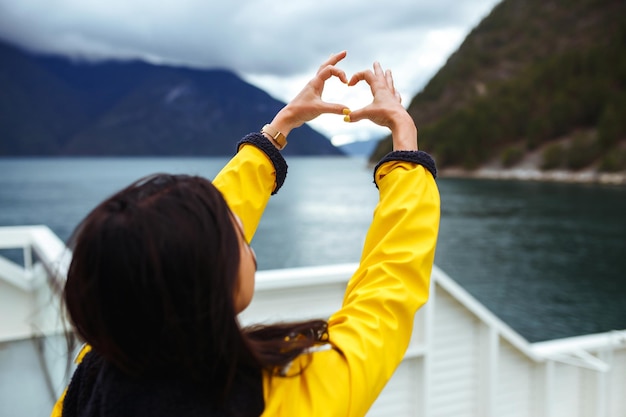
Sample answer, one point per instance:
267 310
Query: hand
386 108
308 104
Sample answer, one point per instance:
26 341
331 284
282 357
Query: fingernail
346 118
346 111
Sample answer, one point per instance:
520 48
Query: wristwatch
276 135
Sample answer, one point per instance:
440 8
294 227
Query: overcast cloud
274 44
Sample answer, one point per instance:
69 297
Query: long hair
151 288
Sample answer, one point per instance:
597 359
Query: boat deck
462 359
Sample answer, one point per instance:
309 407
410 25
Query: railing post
602 387
548 389
488 370
429 322
28 258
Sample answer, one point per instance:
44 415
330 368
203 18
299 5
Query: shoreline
530 174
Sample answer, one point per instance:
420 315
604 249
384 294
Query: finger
333 59
329 71
378 70
366 75
389 79
335 108
357 115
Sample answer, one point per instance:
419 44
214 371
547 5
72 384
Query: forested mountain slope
534 74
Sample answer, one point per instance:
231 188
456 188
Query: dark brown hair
151 287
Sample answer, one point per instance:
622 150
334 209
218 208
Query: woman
161 269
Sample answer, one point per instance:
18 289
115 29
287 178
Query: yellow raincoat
370 333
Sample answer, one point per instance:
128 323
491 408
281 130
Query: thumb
335 108
356 115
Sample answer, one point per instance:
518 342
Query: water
549 259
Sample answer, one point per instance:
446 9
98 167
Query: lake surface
548 258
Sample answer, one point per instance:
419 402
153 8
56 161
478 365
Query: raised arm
369 335
249 178
373 328
258 171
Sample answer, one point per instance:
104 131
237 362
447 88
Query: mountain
359 148
544 76
53 106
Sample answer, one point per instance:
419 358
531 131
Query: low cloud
276 44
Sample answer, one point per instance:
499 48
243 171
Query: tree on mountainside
531 72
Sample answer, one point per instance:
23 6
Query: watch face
276 135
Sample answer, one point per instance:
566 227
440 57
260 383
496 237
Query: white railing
462 359
28 306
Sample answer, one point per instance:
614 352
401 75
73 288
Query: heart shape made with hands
352 97
378 80
367 88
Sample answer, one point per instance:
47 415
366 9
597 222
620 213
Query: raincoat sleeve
369 335
246 183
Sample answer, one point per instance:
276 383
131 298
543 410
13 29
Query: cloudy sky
274 44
